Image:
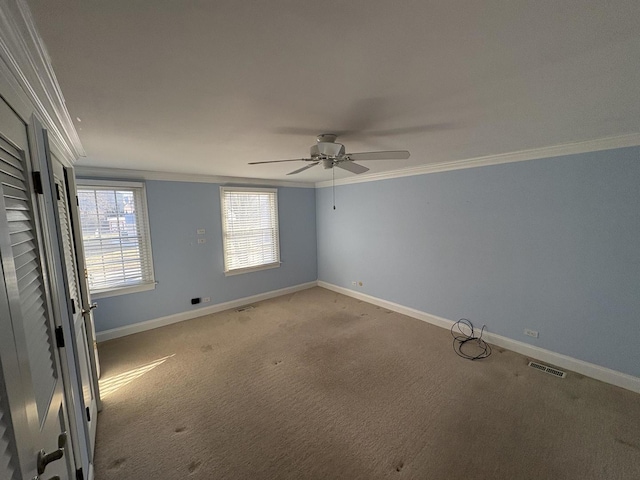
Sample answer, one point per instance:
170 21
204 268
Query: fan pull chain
333 186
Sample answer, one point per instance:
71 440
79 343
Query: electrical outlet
201 231
202 240
206 299
531 333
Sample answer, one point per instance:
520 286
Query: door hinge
79 474
73 306
88 414
37 182
77 201
58 191
59 337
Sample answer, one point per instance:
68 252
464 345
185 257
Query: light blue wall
185 269
551 245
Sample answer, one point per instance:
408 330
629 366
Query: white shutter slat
12 192
10 175
14 203
27 263
17 216
28 273
11 154
67 245
30 292
19 227
22 237
10 172
7 443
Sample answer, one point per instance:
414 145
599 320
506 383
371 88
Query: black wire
333 186
461 338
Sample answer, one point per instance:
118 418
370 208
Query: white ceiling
206 86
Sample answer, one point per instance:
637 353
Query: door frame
83 282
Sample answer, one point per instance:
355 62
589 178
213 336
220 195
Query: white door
83 340
35 401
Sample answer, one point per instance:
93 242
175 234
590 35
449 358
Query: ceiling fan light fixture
327 149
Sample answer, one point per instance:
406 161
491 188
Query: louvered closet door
81 338
29 275
33 329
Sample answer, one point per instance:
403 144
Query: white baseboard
597 372
182 316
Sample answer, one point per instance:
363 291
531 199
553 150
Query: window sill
143 287
240 271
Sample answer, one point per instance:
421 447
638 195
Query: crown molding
608 143
123 173
28 80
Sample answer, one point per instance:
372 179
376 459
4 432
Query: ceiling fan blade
391 155
311 132
352 167
307 132
278 161
303 168
433 127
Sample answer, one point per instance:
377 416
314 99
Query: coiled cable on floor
462 338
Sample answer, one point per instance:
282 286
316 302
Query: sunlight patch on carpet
116 382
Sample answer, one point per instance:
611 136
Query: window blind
115 235
250 229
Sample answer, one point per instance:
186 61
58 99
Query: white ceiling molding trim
122 173
609 143
25 67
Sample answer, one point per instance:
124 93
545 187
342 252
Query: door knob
93 306
45 458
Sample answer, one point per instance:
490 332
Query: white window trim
240 271
112 292
138 287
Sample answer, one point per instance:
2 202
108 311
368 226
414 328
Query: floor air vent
245 308
550 370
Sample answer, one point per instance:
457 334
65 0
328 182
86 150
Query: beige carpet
316 385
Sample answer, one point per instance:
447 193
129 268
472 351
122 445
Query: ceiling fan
331 154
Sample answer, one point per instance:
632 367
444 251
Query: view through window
115 235
250 229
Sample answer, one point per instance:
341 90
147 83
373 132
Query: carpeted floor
316 385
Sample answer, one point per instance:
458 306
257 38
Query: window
115 235
249 229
